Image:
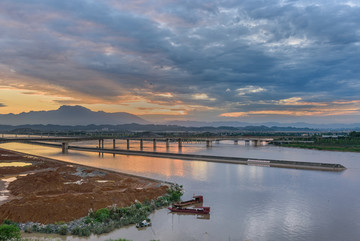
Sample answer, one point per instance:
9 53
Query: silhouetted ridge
70 115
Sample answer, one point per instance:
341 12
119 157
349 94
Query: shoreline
322 148
51 190
82 165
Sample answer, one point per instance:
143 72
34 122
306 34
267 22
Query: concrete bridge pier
114 144
208 143
167 143
256 142
154 144
127 144
101 143
236 142
247 142
180 143
141 144
65 147
217 141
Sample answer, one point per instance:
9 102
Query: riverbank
43 190
324 147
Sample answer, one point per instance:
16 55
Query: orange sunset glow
164 66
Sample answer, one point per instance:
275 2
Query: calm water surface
247 202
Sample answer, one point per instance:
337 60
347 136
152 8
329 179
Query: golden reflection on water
15 164
167 167
199 170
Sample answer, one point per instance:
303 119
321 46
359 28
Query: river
247 202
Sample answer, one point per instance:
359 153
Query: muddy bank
49 191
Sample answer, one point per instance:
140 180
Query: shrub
102 215
88 220
81 231
8 232
63 229
47 229
138 205
120 239
9 222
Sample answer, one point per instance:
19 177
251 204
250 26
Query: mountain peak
73 108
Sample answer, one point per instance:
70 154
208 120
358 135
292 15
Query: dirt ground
49 191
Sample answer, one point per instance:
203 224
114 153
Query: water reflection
15 164
200 170
197 216
247 202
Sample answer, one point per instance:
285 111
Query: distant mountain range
149 129
353 126
70 115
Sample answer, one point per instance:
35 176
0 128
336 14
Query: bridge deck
222 159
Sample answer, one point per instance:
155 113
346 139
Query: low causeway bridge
63 142
140 140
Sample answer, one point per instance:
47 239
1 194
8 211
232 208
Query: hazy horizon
67 115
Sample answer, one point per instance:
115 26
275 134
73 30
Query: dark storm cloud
228 50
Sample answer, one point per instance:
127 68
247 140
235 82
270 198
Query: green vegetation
102 215
105 220
120 239
324 147
350 143
9 232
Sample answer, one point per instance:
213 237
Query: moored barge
194 200
197 210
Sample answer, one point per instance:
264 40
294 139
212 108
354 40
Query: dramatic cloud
197 58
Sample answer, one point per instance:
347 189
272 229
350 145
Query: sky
226 60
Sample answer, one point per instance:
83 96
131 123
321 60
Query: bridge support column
217 141
208 143
114 144
180 143
247 142
128 144
141 144
101 143
256 142
154 144
236 142
167 143
65 147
